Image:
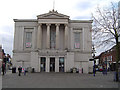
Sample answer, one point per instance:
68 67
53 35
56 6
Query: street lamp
93 55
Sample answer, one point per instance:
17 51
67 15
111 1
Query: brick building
1 52
108 58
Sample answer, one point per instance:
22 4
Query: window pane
77 39
61 60
28 39
52 39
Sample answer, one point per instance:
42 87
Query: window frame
28 29
76 41
29 40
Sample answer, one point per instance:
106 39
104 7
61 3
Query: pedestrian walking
25 71
3 68
104 71
19 70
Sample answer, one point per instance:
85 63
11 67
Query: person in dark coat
5 60
19 70
3 68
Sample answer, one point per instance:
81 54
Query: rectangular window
111 58
77 40
43 63
61 64
53 37
28 40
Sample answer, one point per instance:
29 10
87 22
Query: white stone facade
48 43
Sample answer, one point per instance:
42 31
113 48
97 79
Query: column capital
48 24
39 24
57 24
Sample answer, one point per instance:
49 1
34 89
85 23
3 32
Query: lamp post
93 55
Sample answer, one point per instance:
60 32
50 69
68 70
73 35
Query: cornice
81 21
24 51
25 20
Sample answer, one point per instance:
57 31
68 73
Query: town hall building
52 43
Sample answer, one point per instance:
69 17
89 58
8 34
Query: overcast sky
29 9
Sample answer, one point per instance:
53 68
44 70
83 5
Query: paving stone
58 80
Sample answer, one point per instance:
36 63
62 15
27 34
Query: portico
48 36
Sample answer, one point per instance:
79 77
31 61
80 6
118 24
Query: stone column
39 37
57 64
66 36
47 64
48 36
57 36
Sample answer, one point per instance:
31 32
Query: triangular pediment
52 14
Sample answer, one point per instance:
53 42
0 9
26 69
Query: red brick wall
1 53
110 53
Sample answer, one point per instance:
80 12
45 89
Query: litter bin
13 69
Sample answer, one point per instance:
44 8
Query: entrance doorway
42 65
61 64
52 64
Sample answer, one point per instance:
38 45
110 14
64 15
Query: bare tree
106 29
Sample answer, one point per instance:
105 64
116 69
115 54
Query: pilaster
66 36
39 37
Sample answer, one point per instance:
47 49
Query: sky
29 9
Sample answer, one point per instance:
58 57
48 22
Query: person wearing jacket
19 70
3 68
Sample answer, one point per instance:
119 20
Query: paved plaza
58 80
